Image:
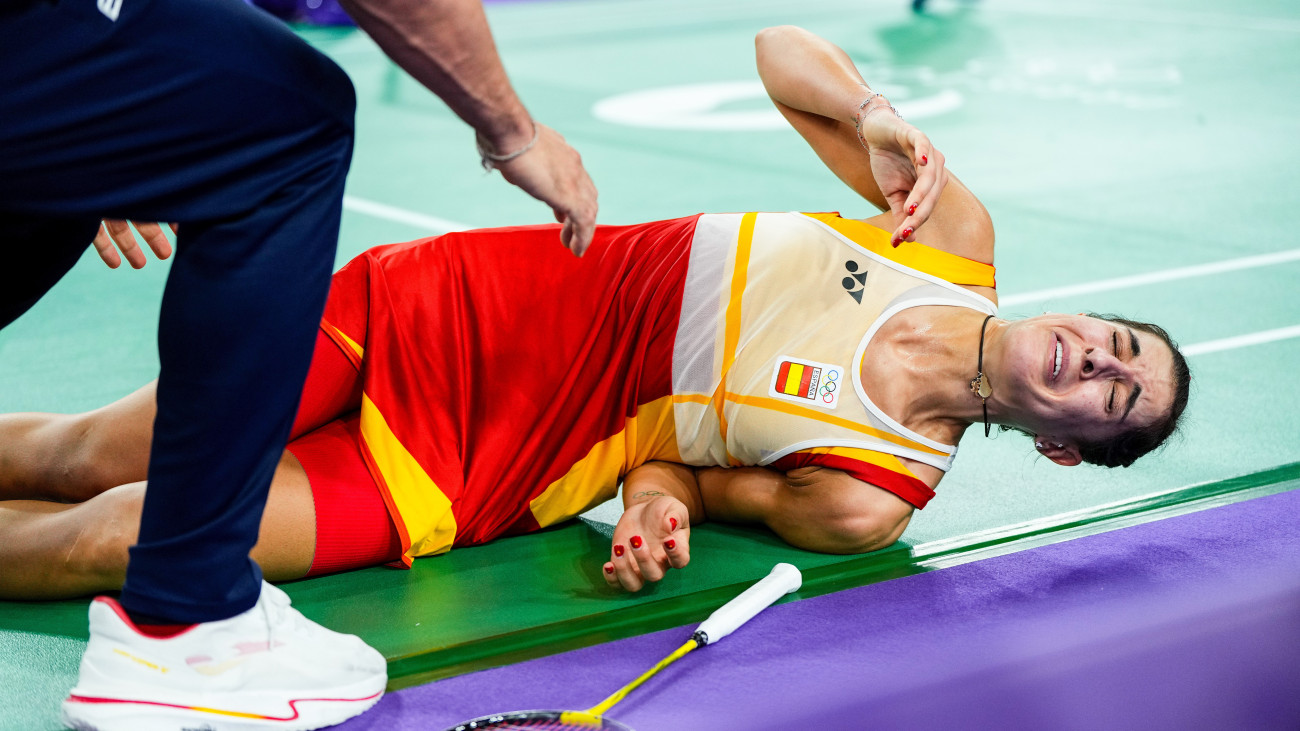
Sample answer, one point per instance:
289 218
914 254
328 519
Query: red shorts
353 526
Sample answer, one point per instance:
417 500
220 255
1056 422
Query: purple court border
1192 622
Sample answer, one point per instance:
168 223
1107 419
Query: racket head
541 720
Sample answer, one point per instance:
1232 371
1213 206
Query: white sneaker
269 667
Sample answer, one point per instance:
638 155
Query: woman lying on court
803 371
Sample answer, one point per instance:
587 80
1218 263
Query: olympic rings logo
829 385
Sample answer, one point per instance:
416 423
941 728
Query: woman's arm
814 508
884 159
660 502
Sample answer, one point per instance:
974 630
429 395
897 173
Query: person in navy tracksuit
212 114
215 115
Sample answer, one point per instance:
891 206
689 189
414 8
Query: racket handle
782 580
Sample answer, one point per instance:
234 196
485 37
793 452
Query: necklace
979 385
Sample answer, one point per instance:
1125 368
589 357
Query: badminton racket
782 580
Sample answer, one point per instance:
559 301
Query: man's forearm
447 46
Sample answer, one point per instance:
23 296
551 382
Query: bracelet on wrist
491 159
861 115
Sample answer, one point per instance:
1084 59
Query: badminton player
808 372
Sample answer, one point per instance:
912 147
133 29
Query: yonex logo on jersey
110 8
856 283
806 382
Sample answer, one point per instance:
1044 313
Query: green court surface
1136 157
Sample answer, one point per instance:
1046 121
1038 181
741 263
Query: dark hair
1123 450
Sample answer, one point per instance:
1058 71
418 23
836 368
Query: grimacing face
1077 378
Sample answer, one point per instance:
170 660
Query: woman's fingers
931 177
630 567
678 548
677 536
622 572
649 539
651 563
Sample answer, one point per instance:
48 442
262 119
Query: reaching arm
447 46
820 92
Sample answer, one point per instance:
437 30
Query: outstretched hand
649 539
115 234
908 169
552 172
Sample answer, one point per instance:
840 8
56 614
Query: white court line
1242 341
1122 14
1138 280
443 225
433 224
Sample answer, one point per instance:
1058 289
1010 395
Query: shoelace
280 615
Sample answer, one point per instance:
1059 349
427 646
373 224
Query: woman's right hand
650 538
908 169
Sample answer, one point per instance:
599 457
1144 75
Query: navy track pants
211 114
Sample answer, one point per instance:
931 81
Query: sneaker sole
306 714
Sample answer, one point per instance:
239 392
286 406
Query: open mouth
1059 357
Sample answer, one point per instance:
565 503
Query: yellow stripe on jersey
594 479
766 402
349 346
941 264
731 338
879 459
423 509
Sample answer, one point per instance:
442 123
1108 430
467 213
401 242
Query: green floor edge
895 562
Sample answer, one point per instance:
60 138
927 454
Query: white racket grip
782 580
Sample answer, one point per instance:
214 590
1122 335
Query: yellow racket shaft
600 708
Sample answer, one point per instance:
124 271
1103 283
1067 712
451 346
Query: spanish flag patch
807 382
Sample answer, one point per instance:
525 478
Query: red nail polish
907 232
672 522
618 549
636 541
670 544
924 159
896 242
911 209
609 568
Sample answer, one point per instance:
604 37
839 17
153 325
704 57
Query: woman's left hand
650 538
906 166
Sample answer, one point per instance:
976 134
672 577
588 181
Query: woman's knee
90 456
107 526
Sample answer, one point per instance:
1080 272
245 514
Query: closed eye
1110 402
1114 343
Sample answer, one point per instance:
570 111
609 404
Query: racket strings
591 719
543 721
